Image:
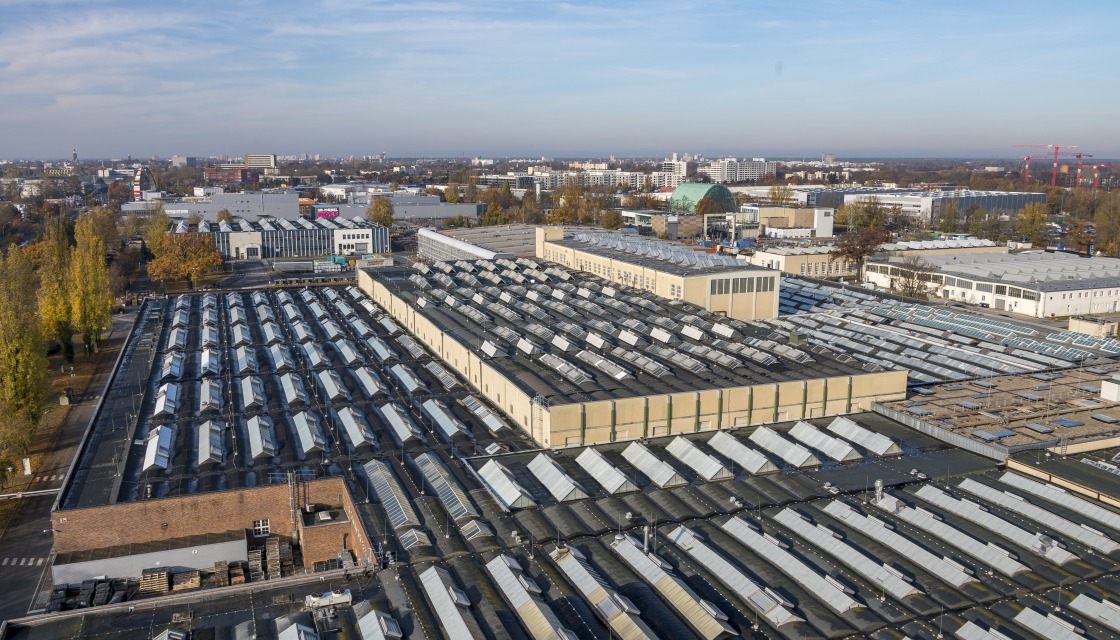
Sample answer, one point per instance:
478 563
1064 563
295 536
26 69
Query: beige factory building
719 284
622 379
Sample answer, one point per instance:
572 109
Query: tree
107 225
452 193
976 218
380 212
154 231
91 296
857 244
707 205
610 219
456 222
949 218
1030 222
1107 219
55 312
23 362
1078 234
780 195
224 216
186 256
915 278
863 214
494 215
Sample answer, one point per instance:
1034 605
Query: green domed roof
686 196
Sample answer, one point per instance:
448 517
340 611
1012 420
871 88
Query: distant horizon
860 78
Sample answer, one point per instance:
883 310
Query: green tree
154 230
224 216
452 193
949 218
610 219
55 312
380 212
456 222
977 219
23 362
1030 222
857 245
494 215
1107 219
91 296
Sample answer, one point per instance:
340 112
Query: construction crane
1077 184
1057 148
1097 172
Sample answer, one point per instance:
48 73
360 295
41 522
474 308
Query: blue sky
781 78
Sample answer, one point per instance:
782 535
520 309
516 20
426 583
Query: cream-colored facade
749 294
582 423
814 262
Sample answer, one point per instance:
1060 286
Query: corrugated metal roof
987 552
834 448
876 443
404 430
211 441
390 494
505 489
294 392
315 356
309 432
876 529
658 471
442 419
553 477
606 474
972 631
252 392
738 453
370 381
762 600
705 465
450 604
535 615
282 359
333 386
1057 495
704 617
445 486
612 607
825 539
157 448
406 378
1012 502
483 413
1104 612
355 426
792 453
377 625
1048 625
262 441
764 546
210 395
969 510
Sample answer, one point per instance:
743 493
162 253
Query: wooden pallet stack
237 573
155 581
272 557
256 565
221 574
186 580
287 562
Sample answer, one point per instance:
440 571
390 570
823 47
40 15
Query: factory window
721 287
261 528
1001 290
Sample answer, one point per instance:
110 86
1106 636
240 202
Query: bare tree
915 278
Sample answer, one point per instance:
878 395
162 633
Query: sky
783 79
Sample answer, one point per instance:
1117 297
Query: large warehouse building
248 204
282 238
573 360
719 284
1033 283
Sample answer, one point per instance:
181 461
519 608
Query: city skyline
862 79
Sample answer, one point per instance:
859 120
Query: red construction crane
1056 148
1077 184
1097 172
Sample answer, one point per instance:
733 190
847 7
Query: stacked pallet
256 565
101 593
186 580
287 562
220 577
155 581
272 557
237 573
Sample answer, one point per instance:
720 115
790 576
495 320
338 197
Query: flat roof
630 306
518 239
1034 270
667 257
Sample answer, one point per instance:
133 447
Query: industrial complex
557 433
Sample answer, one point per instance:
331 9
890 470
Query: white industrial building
1033 283
281 238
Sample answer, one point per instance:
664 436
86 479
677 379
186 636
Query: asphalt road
25 548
